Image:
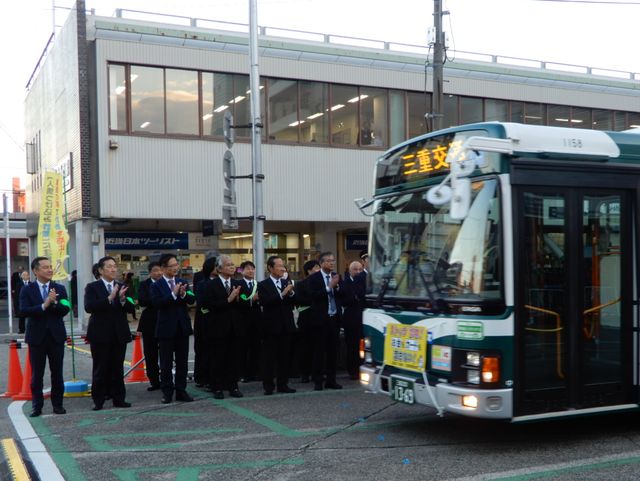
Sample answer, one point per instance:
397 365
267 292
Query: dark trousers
352 336
38 355
250 355
324 349
174 348
201 348
108 371
151 352
225 359
276 358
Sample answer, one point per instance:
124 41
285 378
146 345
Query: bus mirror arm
362 204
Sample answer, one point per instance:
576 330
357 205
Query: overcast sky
598 34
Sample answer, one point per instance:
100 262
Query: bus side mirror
460 198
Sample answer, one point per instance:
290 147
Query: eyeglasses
173 265
329 260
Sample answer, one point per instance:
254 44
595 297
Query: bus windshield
420 253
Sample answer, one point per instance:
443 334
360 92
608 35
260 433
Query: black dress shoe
218 395
317 386
166 400
35 413
59 410
153 387
122 404
184 397
96 407
235 393
332 385
286 390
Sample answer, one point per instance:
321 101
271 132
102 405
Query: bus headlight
473 358
473 376
470 402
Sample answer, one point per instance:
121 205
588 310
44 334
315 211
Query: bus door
574 288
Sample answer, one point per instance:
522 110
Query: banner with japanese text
52 231
405 346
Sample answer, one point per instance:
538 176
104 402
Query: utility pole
438 64
256 144
8 254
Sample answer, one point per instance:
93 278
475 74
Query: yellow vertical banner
52 231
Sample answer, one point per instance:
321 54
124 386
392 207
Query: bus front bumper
466 401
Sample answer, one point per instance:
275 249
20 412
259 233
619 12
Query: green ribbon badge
66 303
131 300
190 292
253 293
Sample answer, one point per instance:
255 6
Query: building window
496 110
580 118
418 105
534 114
558 116
450 113
117 98
314 112
602 120
217 97
344 115
619 121
634 120
182 102
470 110
373 116
397 117
283 110
147 100
517 112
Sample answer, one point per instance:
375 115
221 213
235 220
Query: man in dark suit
354 302
45 303
147 326
250 312
325 288
277 299
303 340
108 334
171 296
24 281
225 329
202 358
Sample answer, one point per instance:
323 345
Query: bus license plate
402 390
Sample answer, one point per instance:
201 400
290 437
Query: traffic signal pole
256 145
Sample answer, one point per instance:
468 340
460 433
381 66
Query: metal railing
343 40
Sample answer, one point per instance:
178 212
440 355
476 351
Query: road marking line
548 471
42 461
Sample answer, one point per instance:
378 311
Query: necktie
227 287
45 292
109 288
279 286
332 300
250 285
172 284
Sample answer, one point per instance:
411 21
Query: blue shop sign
356 242
146 240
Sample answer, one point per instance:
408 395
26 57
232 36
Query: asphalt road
328 435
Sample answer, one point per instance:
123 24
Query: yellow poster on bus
52 231
405 347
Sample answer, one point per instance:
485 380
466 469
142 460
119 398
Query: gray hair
222 258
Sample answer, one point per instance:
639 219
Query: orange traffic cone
14 382
25 393
137 371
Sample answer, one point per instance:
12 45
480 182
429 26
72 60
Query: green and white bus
504 272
